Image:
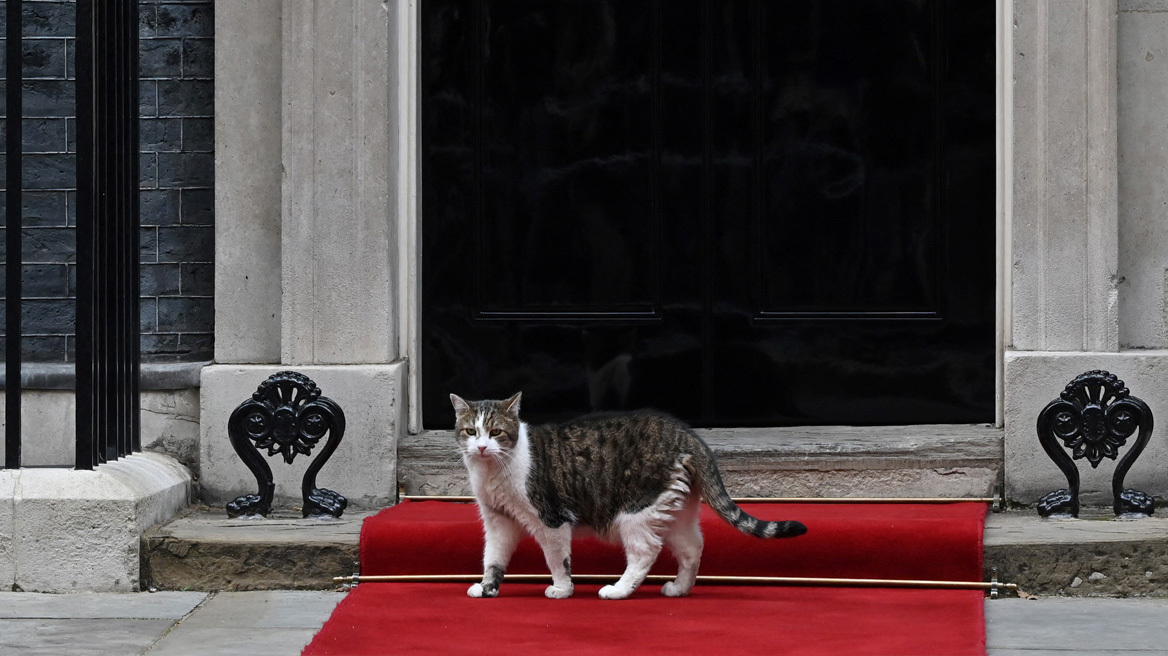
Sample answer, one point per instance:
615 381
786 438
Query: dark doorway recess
745 213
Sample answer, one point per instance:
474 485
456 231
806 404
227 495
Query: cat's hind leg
500 536
685 541
641 536
557 552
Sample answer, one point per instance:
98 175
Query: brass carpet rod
939 500
993 586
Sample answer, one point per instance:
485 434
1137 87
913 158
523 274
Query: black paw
1134 501
248 504
325 502
1059 502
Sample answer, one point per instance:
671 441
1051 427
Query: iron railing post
14 182
108 330
86 440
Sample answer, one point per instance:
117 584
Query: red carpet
893 541
901 541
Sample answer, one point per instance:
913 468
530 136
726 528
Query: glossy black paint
286 415
13 227
108 325
1094 417
741 212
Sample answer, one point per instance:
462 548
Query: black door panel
741 212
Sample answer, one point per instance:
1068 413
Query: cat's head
486 429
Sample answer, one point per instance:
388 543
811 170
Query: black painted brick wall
177 180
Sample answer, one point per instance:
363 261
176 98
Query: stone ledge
65 530
889 461
152 376
203 549
1094 556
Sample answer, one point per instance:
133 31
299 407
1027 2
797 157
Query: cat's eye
469 431
495 432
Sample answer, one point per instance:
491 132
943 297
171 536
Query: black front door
743 212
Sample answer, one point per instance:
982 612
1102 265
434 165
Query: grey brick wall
177 179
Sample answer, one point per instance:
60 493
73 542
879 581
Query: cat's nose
482 450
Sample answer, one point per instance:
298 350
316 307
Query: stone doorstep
1097 556
204 550
811 461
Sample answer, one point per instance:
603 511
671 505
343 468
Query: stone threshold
944 460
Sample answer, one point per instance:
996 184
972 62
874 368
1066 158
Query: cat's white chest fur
502 486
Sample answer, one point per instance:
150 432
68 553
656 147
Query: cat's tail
705 469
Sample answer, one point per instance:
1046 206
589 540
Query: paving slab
166 623
96 606
1080 626
77 637
104 624
250 624
284 621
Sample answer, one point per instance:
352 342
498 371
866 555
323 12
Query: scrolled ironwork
1093 418
286 415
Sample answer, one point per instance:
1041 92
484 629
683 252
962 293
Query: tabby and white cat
638 478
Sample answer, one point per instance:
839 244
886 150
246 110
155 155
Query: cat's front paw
672 589
614 592
554 592
478 591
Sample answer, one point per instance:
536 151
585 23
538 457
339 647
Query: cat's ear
511 405
460 406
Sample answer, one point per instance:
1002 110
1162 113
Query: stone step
204 550
950 460
1097 555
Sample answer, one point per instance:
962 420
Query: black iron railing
107 325
13 224
107 231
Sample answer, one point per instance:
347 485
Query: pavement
279 622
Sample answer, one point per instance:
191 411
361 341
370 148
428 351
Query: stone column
247 181
318 157
1143 174
1064 226
1065 205
337 232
